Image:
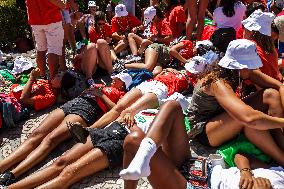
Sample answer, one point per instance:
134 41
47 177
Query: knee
271 95
145 42
130 35
101 43
91 47
172 105
60 163
36 137
49 141
67 173
132 141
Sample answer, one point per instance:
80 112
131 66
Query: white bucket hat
92 4
279 22
120 10
241 54
198 63
259 21
149 15
22 64
125 77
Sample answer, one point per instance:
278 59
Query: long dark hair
264 41
215 72
171 5
159 12
228 7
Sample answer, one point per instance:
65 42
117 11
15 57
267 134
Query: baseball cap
279 22
149 14
120 10
241 54
259 21
125 77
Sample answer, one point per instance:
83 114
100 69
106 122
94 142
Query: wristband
246 169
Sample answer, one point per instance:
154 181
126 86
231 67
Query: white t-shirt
230 178
222 21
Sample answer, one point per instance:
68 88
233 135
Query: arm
243 164
58 3
81 25
265 81
174 51
26 93
242 112
117 37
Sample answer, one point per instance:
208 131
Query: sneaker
78 132
7 178
132 58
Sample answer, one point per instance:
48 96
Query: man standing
45 19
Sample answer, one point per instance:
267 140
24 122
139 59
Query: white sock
139 166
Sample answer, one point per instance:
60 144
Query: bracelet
246 169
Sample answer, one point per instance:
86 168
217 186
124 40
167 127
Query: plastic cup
217 159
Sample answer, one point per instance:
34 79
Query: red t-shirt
187 50
208 32
42 12
123 24
177 15
174 82
102 34
112 93
270 63
280 14
161 29
240 33
43 94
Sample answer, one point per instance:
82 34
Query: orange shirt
42 12
123 24
105 32
177 15
43 94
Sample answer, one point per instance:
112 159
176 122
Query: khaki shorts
49 37
164 53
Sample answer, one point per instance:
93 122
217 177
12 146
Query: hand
128 118
246 180
261 183
134 30
35 73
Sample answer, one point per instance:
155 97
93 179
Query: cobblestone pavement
107 179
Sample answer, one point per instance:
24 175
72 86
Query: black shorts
110 140
86 108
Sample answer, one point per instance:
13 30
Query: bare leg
90 60
202 6
223 128
57 136
93 162
145 43
48 125
105 55
134 41
56 168
62 61
70 36
151 58
41 61
167 130
122 45
192 17
53 63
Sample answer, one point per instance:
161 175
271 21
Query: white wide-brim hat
241 54
120 10
149 15
125 77
259 21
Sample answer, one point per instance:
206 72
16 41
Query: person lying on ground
85 109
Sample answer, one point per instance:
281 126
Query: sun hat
259 21
120 10
109 8
204 42
241 54
198 63
22 64
149 14
279 22
92 4
125 77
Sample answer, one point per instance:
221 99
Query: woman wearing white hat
216 116
258 29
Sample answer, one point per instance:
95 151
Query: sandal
78 132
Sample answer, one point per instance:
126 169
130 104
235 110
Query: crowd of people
139 89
